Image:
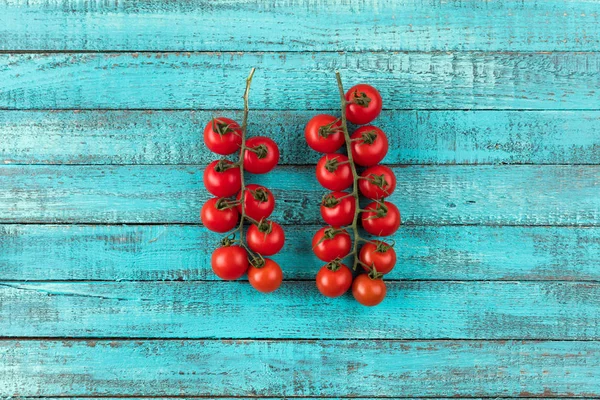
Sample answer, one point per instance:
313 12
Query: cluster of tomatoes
235 203
367 146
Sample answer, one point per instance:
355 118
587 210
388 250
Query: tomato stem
355 175
242 153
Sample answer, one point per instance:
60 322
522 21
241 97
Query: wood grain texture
175 252
430 195
301 368
416 137
219 309
304 81
299 25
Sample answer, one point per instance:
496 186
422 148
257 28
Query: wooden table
493 114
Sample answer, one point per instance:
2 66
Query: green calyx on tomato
373 274
223 165
330 129
221 127
260 195
334 265
333 164
368 137
378 180
265 227
383 247
224 204
360 98
380 211
261 151
330 201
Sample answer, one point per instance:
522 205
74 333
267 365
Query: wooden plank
431 195
175 137
175 252
300 26
424 310
300 368
299 81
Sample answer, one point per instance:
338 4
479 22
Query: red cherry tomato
380 255
368 291
258 202
331 243
334 279
222 179
369 145
365 104
229 262
267 278
379 182
324 133
217 217
334 173
264 156
338 212
382 220
265 239
223 136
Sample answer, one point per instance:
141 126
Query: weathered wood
299 26
431 195
300 368
218 309
175 252
299 81
175 137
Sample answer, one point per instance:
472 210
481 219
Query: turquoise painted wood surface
426 310
182 252
207 80
105 284
426 195
301 368
416 137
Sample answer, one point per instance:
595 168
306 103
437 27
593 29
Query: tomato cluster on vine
235 203
340 208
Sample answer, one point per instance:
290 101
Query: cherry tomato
324 133
369 145
379 182
217 217
267 278
334 173
380 255
264 156
222 178
365 104
223 136
229 262
258 202
331 243
334 279
265 239
383 220
338 212
368 291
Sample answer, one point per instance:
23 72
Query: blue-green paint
217 309
415 137
301 368
430 195
513 25
176 252
299 81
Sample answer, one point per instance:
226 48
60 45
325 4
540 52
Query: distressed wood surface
431 195
219 309
416 137
304 81
299 25
176 252
301 368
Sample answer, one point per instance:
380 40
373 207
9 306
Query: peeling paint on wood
218 309
305 81
512 25
301 368
423 137
431 195
175 252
